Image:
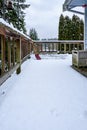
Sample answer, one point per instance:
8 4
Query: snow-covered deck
47 95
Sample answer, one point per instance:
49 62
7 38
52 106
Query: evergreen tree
19 6
71 29
75 30
1 9
61 28
33 34
81 30
14 13
67 28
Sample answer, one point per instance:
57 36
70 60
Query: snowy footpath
47 95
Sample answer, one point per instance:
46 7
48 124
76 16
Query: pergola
70 5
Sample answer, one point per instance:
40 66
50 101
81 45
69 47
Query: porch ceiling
70 4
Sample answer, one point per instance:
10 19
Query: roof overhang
69 5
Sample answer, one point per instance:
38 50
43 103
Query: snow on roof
11 28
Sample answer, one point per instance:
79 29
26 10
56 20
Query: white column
85 29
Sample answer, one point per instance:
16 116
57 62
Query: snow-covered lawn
47 95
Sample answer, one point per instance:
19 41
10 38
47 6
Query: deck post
28 47
9 53
73 46
18 55
77 46
41 47
2 54
45 47
69 47
13 52
53 47
64 47
60 47
57 47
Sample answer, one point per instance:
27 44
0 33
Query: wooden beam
18 55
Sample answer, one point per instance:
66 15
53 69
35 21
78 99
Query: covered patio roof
70 4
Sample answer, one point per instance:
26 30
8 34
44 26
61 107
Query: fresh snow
47 95
2 21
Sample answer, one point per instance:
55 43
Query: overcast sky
43 15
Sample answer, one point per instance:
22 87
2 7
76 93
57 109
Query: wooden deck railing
59 46
14 50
